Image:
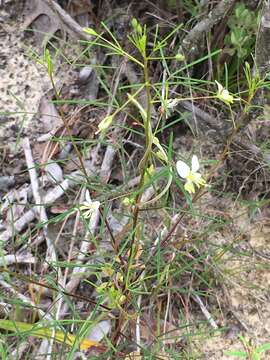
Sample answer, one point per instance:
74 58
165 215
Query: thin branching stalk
143 163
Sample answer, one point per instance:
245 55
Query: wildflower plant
191 175
110 289
223 94
119 283
89 207
133 263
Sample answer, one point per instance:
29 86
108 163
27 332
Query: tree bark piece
51 196
191 41
58 17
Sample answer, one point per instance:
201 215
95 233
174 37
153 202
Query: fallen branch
39 208
67 20
17 259
205 312
191 41
24 299
54 11
48 199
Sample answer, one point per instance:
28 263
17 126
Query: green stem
142 166
148 131
148 128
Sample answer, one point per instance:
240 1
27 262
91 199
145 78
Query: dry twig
52 195
191 41
39 208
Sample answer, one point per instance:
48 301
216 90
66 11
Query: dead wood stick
68 21
208 119
51 252
48 199
17 259
39 208
24 299
75 278
71 247
205 312
194 36
18 353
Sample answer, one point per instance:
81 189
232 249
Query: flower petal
89 208
189 187
220 87
95 205
105 123
195 164
87 197
201 182
182 168
223 94
226 97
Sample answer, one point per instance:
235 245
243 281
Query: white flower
88 207
105 124
172 103
191 175
223 94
